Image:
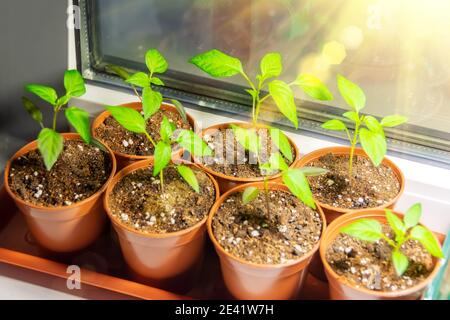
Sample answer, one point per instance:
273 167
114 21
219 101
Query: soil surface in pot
111 133
371 186
137 201
290 231
369 265
80 171
231 159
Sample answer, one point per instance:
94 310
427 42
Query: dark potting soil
248 232
369 265
111 133
137 201
231 159
80 171
371 186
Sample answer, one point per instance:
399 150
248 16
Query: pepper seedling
133 121
371 137
151 100
370 230
50 142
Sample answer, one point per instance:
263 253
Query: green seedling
133 121
368 130
370 230
151 100
50 142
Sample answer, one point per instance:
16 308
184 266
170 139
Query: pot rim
33 146
375 214
339 150
260 185
139 165
137 106
244 179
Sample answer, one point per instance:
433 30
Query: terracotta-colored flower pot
124 159
64 228
340 288
228 182
157 257
247 280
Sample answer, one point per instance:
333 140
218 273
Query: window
397 51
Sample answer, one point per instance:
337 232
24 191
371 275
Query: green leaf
427 239
364 229
44 92
313 87
374 144
151 102
249 194
248 138
181 110
32 109
352 115
166 130
155 61
193 143
297 183
74 83
162 155
284 98
400 262
266 169
277 162
189 176
313 171
352 93
412 215
63 100
121 72
334 124
393 121
128 118
217 64
396 224
50 144
373 124
156 81
139 79
271 65
282 143
79 119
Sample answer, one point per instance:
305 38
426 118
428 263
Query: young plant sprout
371 137
151 99
133 121
371 230
50 142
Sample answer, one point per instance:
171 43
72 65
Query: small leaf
352 93
156 81
166 130
282 143
396 224
364 229
249 194
373 124
189 176
266 169
217 64
284 98
277 162
44 92
297 183
313 87
50 144
400 262
374 144
79 119
155 61
427 239
128 118
393 121
248 138
162 155
334 124
32 109
313 171
139 79
352 115
74 83
181 110
271 65
252 92
151 102
412 216
121 72
63 100
193 143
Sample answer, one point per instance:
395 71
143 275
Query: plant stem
136 93
352 150
150 139
266 195
255 97
161 179
55 114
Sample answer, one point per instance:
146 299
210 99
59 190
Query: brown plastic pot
340 288
248 280
156 257
124 159
64 228
228 182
